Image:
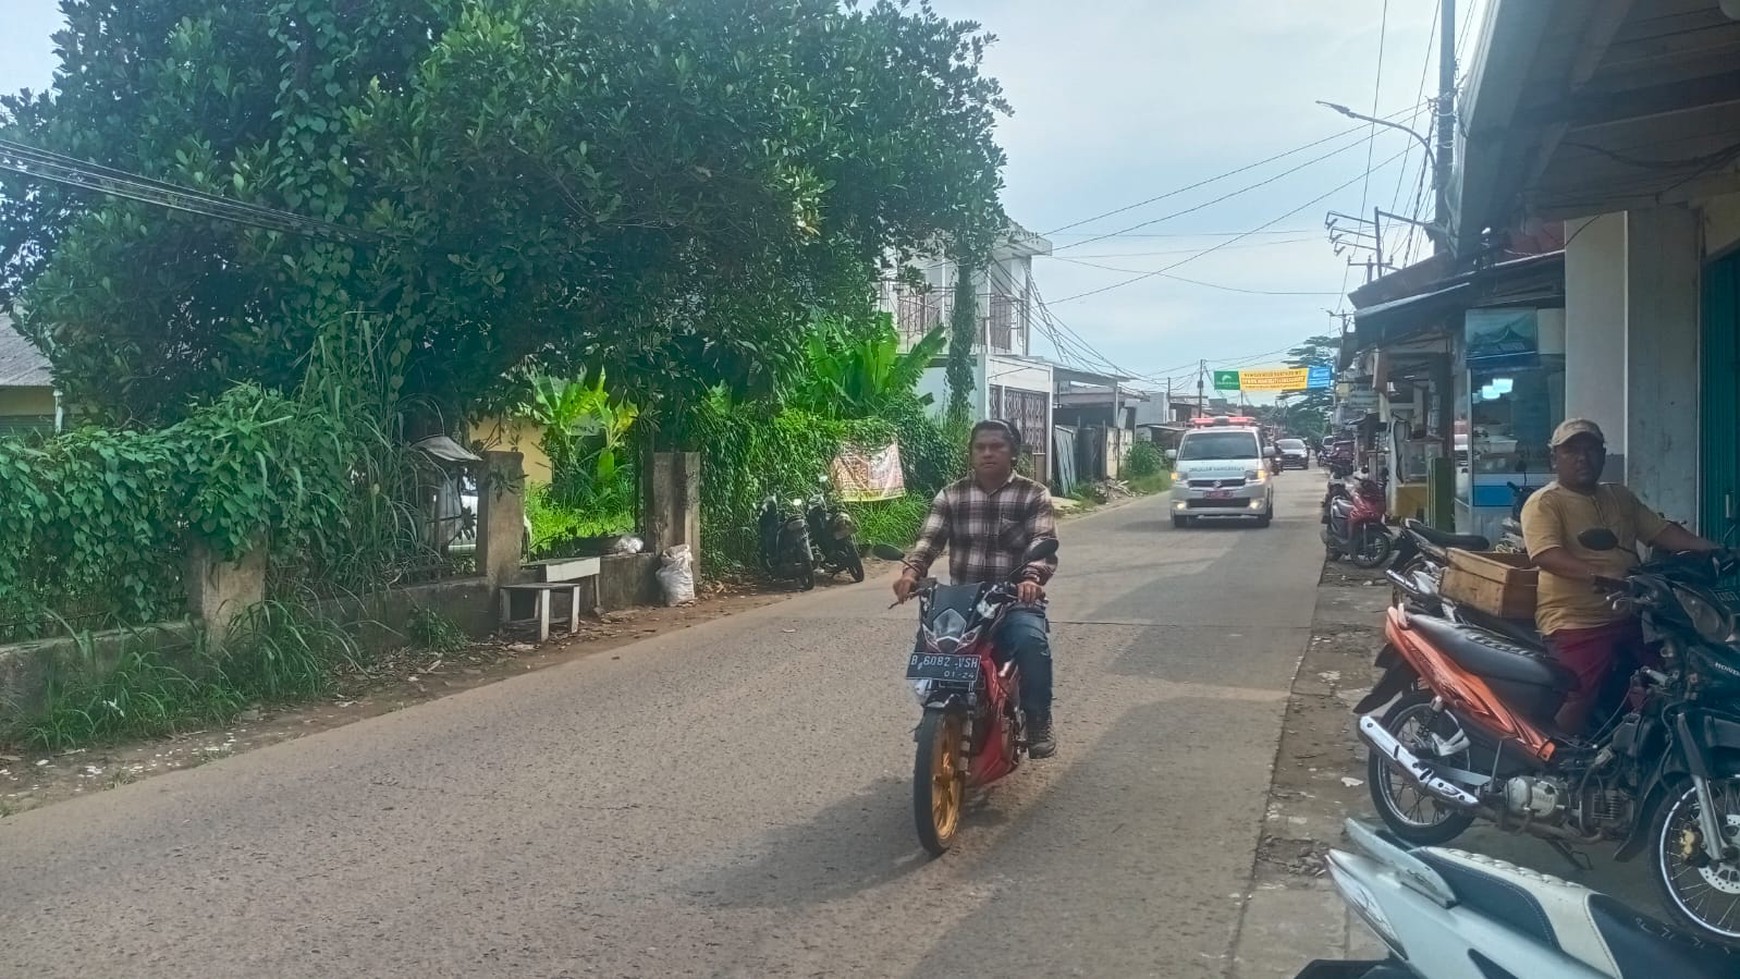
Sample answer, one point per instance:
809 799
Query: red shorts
1592 654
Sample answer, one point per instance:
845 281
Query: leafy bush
752 451
98 522
558 529
1143 460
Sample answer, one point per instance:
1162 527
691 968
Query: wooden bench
557 575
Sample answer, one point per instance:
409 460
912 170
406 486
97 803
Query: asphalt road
731 800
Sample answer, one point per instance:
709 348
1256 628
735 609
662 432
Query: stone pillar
1595 330
672 487
220 592
1662 300
501 518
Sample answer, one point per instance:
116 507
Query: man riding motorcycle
987 521
1583 631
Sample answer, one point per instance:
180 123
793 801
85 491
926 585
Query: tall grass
277 654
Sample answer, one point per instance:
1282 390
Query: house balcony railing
1003 321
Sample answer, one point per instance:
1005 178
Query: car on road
1294 455
1221 471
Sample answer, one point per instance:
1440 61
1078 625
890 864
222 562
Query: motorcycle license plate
943 667
1220 494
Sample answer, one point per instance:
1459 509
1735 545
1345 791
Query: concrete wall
1661 378
26 401
516 435
1595 328
1721 224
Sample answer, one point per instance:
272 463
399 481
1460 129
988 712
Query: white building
1008 381
1622 118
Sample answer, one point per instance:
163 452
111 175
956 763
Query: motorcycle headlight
1713 622
946 630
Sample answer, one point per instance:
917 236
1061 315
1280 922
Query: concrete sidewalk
1294 914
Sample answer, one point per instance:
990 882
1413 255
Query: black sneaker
1041 743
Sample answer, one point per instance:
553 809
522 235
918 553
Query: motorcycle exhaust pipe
1383 741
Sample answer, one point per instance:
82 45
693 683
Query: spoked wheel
1408 810
1704 895
939 779
1371 549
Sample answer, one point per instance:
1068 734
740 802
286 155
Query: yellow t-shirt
1553 517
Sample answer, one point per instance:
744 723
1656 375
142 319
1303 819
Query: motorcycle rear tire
939 780
1371 550
852 561
806 577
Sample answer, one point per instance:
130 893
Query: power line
1220 176
1181 251
1214 248
1377 87
1193 234
46 165
1224 197
1198 282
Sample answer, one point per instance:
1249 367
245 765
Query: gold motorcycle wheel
939 782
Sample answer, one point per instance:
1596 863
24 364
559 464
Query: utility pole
1201 398
1446 122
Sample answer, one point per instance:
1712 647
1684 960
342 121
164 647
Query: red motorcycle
973 732
1353 525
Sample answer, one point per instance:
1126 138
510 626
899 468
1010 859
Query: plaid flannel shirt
986 533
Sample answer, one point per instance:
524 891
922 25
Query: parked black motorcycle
785 543
833 537
1512 540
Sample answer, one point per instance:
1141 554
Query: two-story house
1008 381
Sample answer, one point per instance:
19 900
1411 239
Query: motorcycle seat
1581 924
1445 541
1509 630
1487 655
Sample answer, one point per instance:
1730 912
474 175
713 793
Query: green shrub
278 654
560 529
1143 460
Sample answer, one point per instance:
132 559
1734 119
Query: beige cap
1570 428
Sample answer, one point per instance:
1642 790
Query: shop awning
1410 317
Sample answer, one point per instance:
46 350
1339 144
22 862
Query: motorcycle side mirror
1598 539
887 553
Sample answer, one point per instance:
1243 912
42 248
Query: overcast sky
1117 101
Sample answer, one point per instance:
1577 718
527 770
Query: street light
1436 229
1425 144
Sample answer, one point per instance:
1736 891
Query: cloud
1119 100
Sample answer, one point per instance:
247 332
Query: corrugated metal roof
21 364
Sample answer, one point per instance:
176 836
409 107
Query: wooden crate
1494 582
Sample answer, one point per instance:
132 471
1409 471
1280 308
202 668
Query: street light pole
1438 229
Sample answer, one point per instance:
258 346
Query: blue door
1719 400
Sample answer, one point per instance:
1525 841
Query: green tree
857 370
1307 412
664 191
963 333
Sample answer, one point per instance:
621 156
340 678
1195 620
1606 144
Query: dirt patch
1320 767
395 680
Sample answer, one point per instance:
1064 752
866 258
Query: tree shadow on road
854 844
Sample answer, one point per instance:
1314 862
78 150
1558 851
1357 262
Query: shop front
1510 395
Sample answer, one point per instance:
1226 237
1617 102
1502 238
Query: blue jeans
1025 634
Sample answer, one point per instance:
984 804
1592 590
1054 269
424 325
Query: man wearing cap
1583 631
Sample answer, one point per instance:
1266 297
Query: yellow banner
1279 379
